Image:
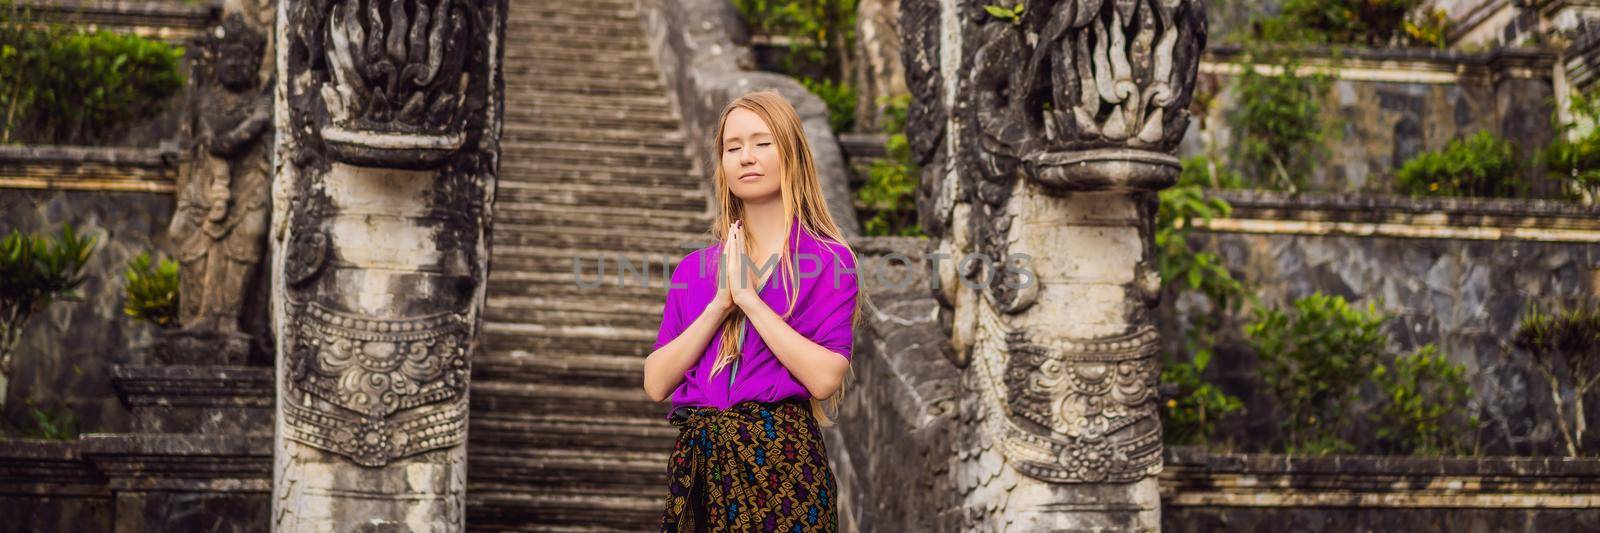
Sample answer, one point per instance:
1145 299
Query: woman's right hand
723 301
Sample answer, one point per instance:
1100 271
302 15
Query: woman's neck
764 225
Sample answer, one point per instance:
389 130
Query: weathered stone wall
124 197
1458 273
1272 493
1386 106
703 49
892 448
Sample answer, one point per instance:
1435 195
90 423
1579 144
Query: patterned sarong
757 466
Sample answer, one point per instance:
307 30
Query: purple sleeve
839 289
672 312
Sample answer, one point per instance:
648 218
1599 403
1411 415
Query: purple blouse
827 296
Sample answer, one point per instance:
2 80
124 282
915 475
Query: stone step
534 56
572 339
520 21
553 285
536 40
559 264
578 12
539 67
539 213
599 239
523 366
506 509
571 471
572 431
552 398
607 311
671 140
611 37
539 153
559 99
640 86
599 194
587 269
520 171
555 117
559 312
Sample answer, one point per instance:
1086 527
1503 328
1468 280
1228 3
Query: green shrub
1312 362
1421 411
35 271
152 291
1565 348
823 30
1278 122
68 86
1315 361
840 98
1575 160
1483 165
1191 416
1339 22
890 191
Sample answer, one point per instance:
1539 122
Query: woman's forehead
744 123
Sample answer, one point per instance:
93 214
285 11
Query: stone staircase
562 436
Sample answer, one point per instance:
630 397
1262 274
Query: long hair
803 203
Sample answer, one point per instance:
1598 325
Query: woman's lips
750 177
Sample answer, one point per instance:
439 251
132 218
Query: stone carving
369 369
385 182
1041 184
1098 394
220 224
397 93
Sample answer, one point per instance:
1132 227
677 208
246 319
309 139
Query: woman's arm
818 368
664 368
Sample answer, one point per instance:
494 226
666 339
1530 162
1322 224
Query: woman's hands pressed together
735 282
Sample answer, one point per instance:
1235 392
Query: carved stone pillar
1059 128
388 118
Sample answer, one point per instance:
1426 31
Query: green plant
1181 205
68 86
34 272
840 98
1011 14
52 424
1482 165
1278 120
1429 27
1191 416
1421 413
1340 22
1574 159
1565 348
152 290
1312 362
889 192
823 30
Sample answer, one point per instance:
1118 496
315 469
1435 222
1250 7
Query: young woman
756 334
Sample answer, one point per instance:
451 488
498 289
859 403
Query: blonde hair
802 199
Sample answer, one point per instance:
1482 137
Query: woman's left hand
742 284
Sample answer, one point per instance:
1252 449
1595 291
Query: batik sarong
757 466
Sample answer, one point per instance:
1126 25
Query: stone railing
1245 492
1375 215
697 44
173 21
89 168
